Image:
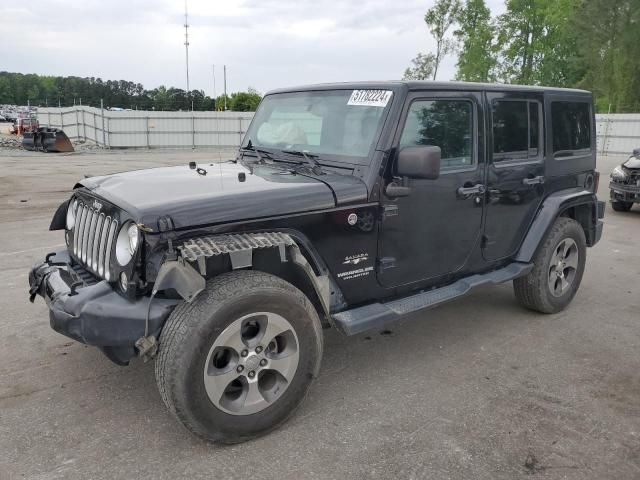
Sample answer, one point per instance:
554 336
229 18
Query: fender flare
59 220
293 248
552 207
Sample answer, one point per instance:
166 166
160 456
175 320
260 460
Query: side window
571 124
447 124
516 130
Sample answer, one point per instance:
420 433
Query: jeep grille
92 240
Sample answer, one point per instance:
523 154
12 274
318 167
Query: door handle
533 181
469 189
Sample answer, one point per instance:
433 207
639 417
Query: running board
357 320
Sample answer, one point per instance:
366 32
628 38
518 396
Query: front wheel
237 361
558 267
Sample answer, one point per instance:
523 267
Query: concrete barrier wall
617 134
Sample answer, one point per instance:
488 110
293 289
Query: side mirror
419 162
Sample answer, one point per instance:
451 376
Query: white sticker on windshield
370 98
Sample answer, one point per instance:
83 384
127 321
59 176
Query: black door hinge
385 263
389 210
485 242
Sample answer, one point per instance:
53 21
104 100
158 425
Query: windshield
330 123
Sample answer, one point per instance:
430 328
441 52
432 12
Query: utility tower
186 43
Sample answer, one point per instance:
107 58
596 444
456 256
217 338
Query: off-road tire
193 327
532 291
621 206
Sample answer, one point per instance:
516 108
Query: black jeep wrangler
625 183
348 206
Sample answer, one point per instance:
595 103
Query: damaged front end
97 312
625 180
91 311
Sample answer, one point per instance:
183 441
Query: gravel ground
476 389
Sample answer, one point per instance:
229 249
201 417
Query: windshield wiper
310 158
258 151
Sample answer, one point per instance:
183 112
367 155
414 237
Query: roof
429 85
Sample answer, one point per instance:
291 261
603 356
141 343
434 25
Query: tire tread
530 290
186 317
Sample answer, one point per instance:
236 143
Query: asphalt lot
476 389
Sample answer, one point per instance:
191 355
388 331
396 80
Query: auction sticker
370 98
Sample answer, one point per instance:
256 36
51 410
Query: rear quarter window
571 128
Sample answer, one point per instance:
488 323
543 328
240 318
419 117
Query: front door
432 231
515 180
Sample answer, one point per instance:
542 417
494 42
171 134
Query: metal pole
193 130
186 42
214 81
225 88
148 144
84 127
77 124
104 135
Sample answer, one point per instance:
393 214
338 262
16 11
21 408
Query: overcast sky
264 43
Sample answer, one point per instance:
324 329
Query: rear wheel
621 206
558 268
237 361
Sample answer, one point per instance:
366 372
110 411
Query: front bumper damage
622 192
95 314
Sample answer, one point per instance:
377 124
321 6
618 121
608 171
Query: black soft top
429 85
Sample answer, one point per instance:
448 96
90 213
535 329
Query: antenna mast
186 42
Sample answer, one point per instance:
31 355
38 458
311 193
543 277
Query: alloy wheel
563 267
251 363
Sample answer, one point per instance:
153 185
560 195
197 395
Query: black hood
221 195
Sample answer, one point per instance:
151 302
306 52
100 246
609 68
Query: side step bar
357 320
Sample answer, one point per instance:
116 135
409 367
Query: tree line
589 44
40 90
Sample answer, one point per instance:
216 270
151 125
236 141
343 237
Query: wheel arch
294 259
578 204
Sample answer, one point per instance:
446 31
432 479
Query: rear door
515 177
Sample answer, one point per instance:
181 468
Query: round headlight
71 214
127 243
618 173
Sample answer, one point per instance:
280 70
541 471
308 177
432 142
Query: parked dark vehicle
625 183
348 206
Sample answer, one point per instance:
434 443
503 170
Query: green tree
223 102
521 27
607 52
478 55
537 42
423 67
439 19
245 101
